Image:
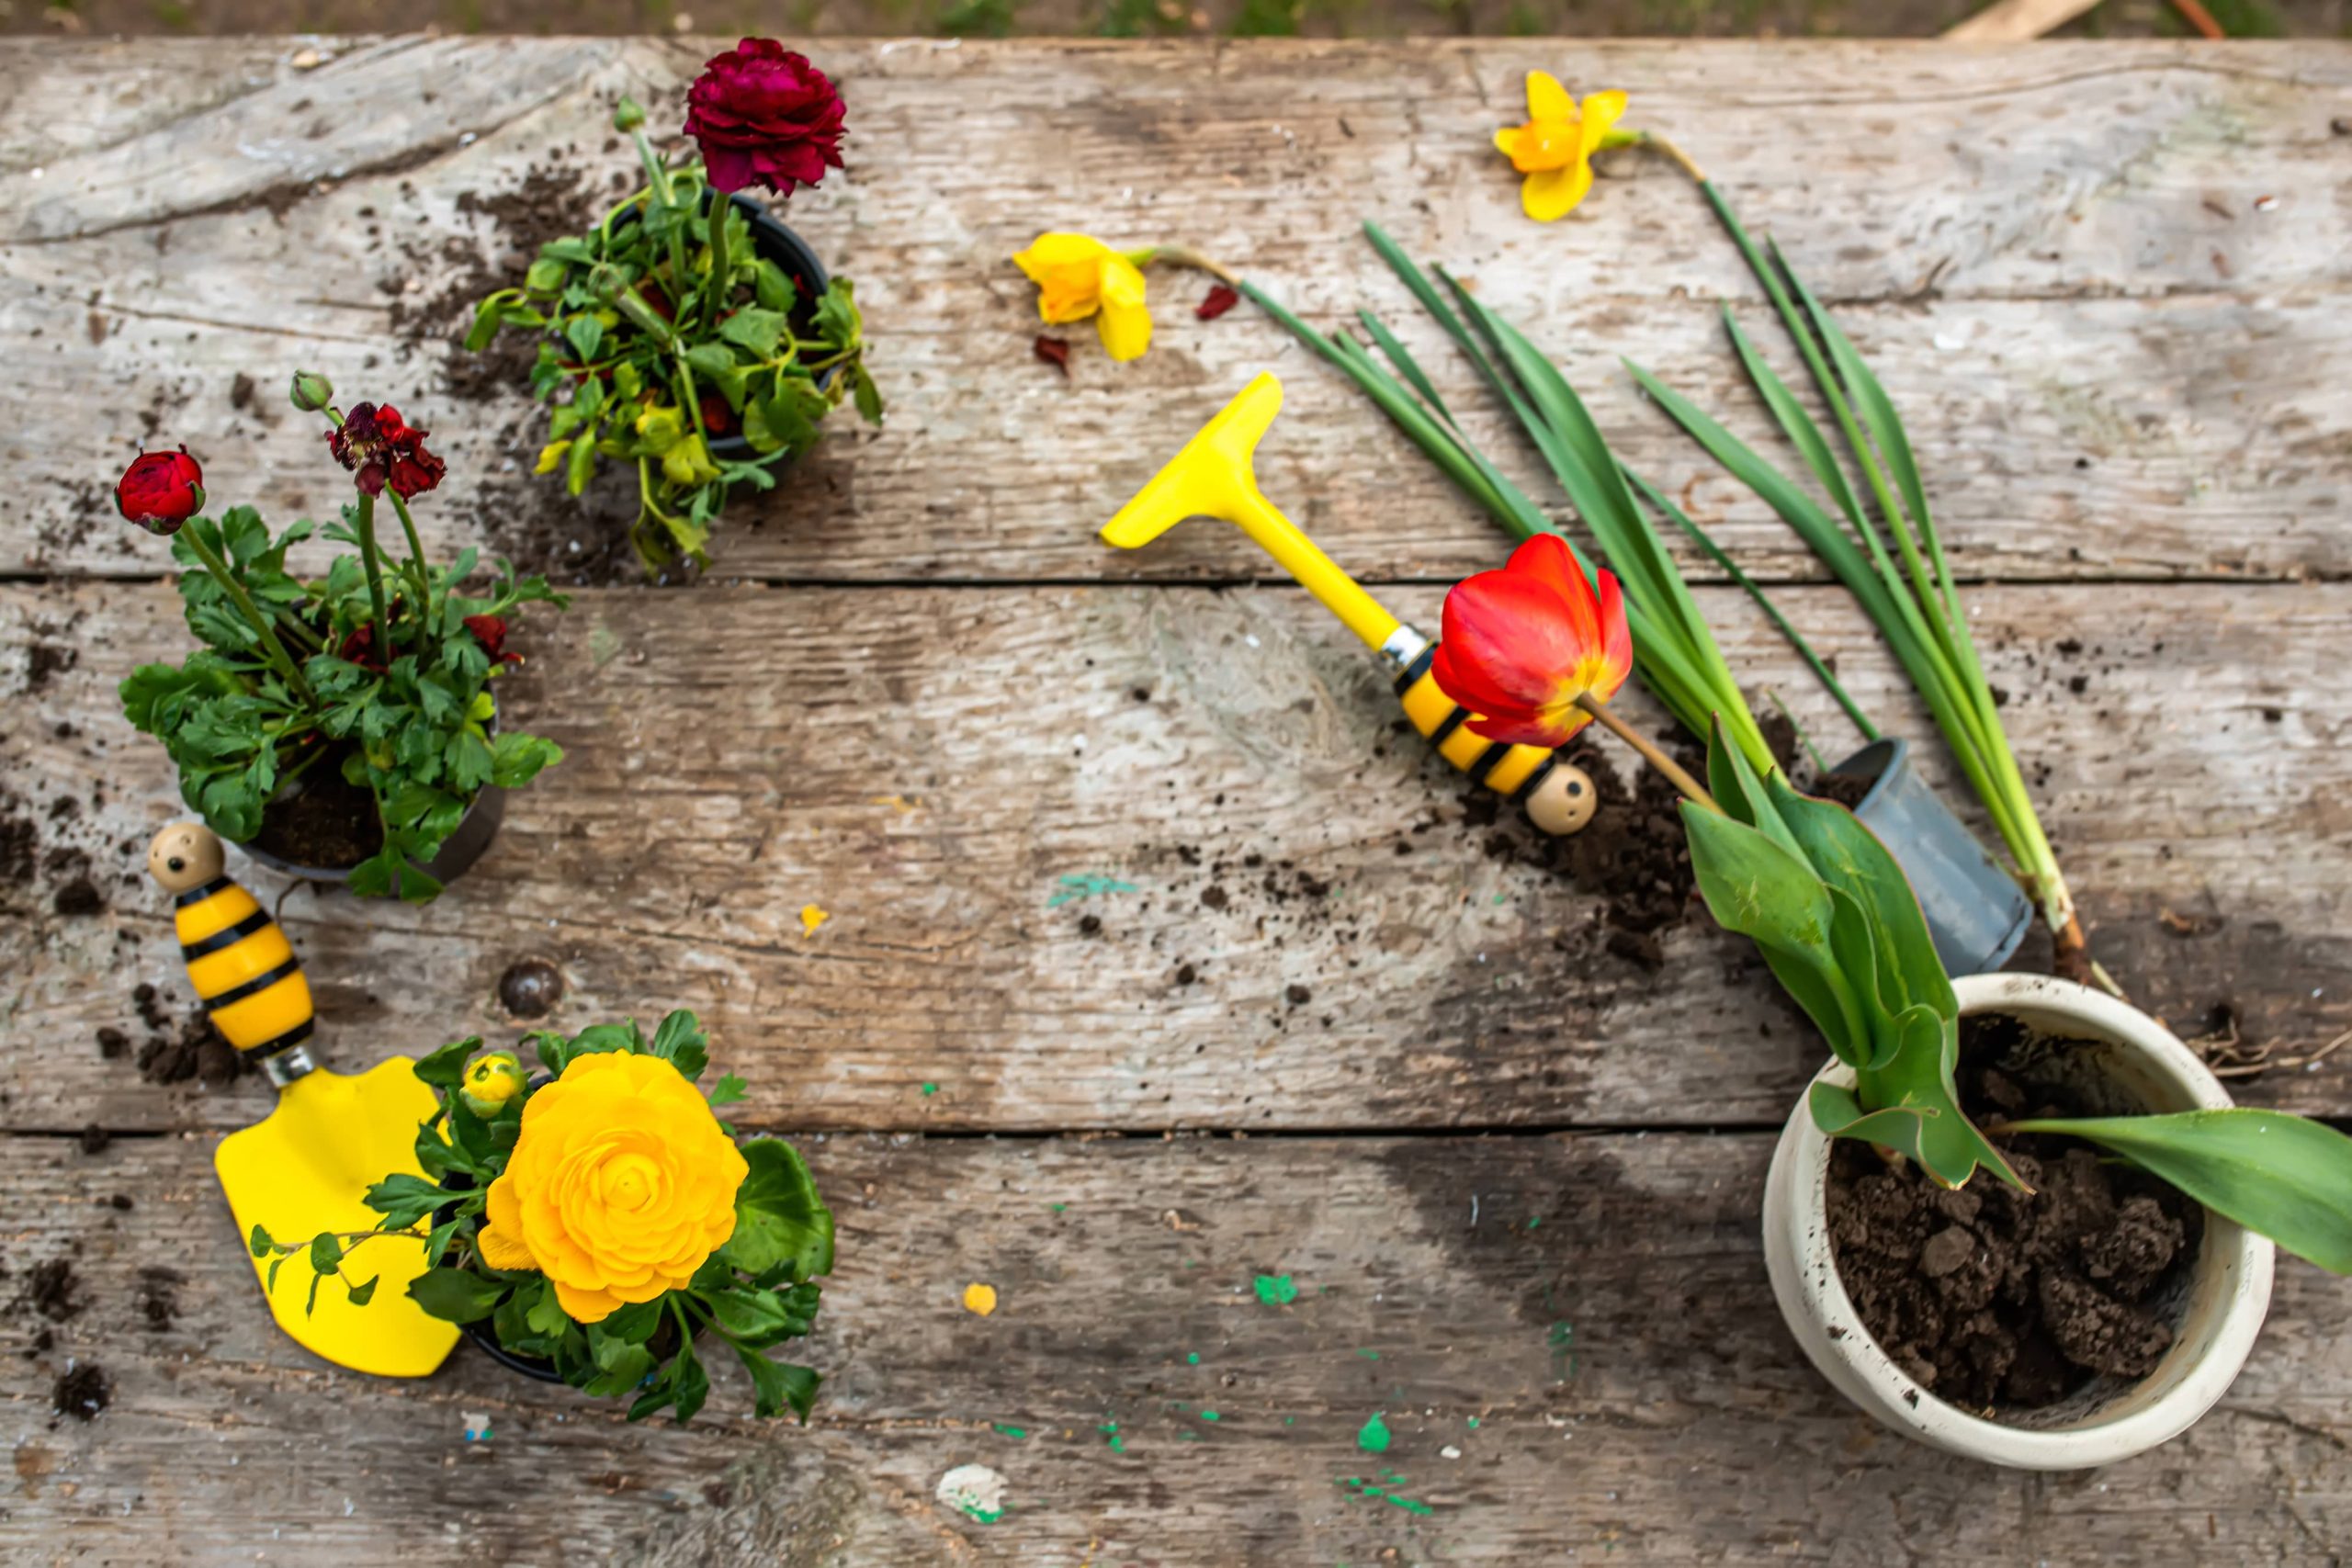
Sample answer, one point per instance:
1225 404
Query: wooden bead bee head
184 855
1564 802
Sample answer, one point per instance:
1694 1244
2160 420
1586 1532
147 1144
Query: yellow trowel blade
306 1168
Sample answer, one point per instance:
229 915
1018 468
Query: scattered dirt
529 519
191 1048
530 987
53 1289
331 825
95 1139
81 1392
78 894
1993 1297
159 1296
44 660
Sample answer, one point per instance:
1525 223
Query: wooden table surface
1512 1176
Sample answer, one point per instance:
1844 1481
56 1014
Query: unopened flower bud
490 1081
311 391
628 115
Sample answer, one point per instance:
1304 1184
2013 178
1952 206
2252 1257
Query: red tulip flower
1522 644
763 116
160 490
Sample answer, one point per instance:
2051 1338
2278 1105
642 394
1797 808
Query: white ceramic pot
2214 1321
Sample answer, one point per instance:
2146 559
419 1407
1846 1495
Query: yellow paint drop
979 1298
811 918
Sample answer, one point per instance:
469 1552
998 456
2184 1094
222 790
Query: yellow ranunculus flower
620 1185
1555 148
492 1079
1077 276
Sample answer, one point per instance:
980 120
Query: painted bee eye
176 864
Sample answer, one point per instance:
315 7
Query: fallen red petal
1221 300
1053 350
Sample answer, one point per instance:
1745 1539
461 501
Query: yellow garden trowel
1214 475
308 1166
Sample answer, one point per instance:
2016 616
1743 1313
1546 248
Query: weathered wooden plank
2100 279
1571 1341
941 770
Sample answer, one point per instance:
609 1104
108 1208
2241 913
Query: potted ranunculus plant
343 729
690 335
593 1223
2097 1294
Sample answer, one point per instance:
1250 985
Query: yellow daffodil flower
1555 148
1077 276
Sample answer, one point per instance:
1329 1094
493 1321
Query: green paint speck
1499 898
1275 1290
1562 1339
1111 1438
1211 1415
930 1088
1474 1422
1533 1221
1058 1208
1362 1488
1015 1432
1087 887
1372 1437
1192 1358
1369 1355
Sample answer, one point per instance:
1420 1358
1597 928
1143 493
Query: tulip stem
273 649
1674 772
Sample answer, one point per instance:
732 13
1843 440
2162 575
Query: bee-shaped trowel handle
1215 476
238 959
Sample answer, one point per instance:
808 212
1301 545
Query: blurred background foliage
1145 19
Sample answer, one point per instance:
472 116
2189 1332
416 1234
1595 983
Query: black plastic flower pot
1975 910
778 243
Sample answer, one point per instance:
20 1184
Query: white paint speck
973 1490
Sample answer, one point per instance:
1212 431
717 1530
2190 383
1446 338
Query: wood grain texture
937 767
2102 281
1570 1340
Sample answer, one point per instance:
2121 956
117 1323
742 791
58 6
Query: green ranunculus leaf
2284 1177
689 1383
681 1041
456 1295
780 1221
761 331
403 1199
779 1385
634 1322
516 758
326 1253
259 1244
365 1291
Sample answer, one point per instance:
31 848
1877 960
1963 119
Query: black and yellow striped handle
1556 794
242 968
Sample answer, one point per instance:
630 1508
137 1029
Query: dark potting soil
1633 852
175 1052
159 1296
331 824
1992 1297
53 1289
81 1392
1780 734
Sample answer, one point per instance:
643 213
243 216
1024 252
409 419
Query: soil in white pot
1992 1297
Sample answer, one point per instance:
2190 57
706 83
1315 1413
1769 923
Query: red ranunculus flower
763 116
377 447
716 417
160 490
359 648
491 632
1522 644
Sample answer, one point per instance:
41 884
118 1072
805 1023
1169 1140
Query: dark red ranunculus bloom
491 632
160 490
718 419
377 447
359 648
763 116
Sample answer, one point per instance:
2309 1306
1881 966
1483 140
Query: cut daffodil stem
1676 774
1183 255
